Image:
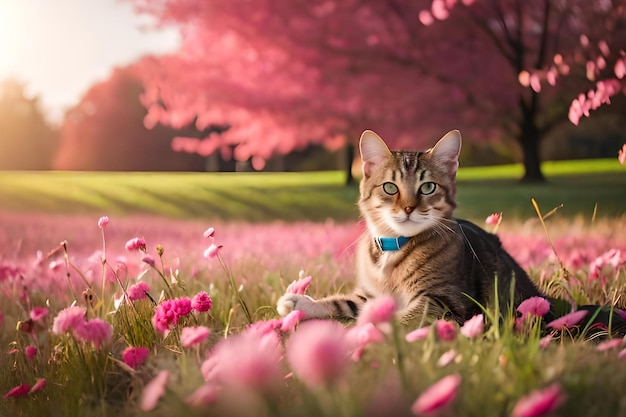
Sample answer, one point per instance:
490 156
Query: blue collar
391 243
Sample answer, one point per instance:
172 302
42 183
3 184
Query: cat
414 250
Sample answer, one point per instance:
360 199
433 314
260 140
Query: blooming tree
285 74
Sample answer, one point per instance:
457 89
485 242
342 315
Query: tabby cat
413 249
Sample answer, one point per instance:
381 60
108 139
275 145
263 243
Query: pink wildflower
182 306
417 334
210 232
318 352
609 345
447 358
96 331
568 320
362 335
473 327
18 391
378 310
250 359
438 395
201 302
212 251
38 313
539 402
148 260
168 312
30 351
534 306
103 221
191 336
137 291
621 154
493 219
38 385
299 286
135 356
68 319
291 319
153 391
545 341
446 330
136 244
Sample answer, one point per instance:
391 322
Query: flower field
151 316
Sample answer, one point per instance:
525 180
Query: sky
59 48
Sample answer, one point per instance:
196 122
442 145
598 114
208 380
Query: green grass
578 185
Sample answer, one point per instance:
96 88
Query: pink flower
376 311
621 154
318 352
201 302
446 330
299 286
210 232
539 402
191 336
473 327
148 260
250 359
568 320
212 251
38 313
38 385
534 306
96 331
545 341
167 313
68 319
622 354
137 291
493 219
290 320
18 391
447 358
103 221
135 356
153 391
609 344
30 351
417 334
182 306
437 395
136 244
362 335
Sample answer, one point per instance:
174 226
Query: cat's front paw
290 302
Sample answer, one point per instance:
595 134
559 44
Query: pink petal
153 391
379 310
473 327
290 320
536 306
568 320
299 286
437 395
539 402
609 344
418 334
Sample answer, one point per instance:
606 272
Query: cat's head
404 193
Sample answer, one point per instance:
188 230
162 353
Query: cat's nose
409 209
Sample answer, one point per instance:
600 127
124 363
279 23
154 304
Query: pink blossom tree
285 74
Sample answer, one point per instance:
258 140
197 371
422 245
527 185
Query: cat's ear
373 151
447 150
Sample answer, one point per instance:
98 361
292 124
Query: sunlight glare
9 35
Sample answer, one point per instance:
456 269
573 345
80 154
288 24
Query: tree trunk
529 139
349 159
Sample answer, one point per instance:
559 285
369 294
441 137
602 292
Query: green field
578 185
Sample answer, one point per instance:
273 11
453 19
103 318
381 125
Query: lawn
74 347
261 197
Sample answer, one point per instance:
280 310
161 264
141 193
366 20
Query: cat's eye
427 188
390 188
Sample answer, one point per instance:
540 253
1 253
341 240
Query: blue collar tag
391 243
